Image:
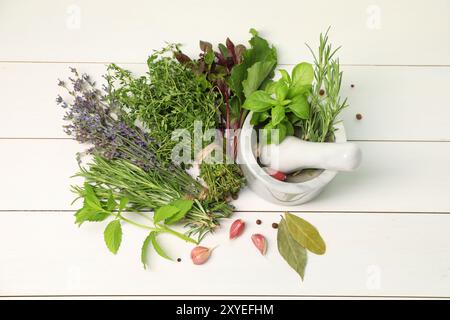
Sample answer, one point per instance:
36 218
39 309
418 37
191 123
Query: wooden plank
383 32
399 177
367 255
396 102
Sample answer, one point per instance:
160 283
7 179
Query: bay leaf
305 234
291 251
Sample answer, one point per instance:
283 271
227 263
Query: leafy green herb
283 99
158 249
183 206
164 212
144 251
113 236
294 254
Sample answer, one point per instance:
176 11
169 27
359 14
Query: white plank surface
367 254
372 32
396 102
386 225
394 176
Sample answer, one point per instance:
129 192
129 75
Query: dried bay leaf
305 234
291 251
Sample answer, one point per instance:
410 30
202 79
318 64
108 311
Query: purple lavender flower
92 121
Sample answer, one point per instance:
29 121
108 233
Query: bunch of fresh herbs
126 169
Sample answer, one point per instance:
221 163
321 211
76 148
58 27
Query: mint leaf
123 203
144 251
89 214
259 101
111 205
113 235
300 106
158 249
91 198
278 114
164 212
184 206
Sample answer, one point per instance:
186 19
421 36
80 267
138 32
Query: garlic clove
260 243
200 255
276 174
236 229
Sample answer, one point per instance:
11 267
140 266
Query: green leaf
282 132
164 212
298 89
305 234
91 198
209 57
256 75
90 214
294 254
255 118
111 205
300 107
259 51
158 249
184 206
113 235
144 251
223 50
123 203
289 127
285 76
259 101
277 114
302 74
281 90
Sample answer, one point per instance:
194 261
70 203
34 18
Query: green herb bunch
170 97
305 103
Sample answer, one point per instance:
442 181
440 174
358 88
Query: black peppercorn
358 116
275 225
258 221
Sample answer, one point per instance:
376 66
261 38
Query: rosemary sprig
326 103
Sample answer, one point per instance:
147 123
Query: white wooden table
387 226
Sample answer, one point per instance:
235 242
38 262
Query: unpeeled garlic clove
236 229
276 174
200 255
260 243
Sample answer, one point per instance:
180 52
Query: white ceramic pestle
295 154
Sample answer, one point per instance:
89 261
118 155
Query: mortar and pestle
321 161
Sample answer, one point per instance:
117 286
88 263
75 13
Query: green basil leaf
289 127
113 235
164 212
302 74
282 132
294 254
285 76
300 107
259 101
144 251
277 114
298 89
255 118
184 206
305 234
281 90
158 249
